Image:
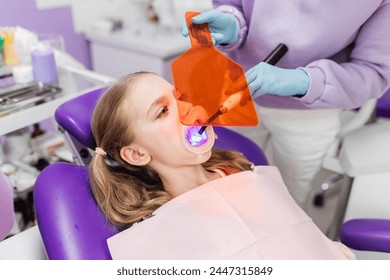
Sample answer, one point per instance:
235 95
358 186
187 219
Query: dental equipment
25 96
236 93
195 142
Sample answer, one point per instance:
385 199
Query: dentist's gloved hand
268 79
223 26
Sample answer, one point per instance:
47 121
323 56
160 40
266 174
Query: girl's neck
178 181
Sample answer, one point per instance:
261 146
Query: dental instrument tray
21 96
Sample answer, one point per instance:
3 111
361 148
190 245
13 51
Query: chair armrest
367 234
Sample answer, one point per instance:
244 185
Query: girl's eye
163 111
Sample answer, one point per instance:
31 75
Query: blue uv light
194 138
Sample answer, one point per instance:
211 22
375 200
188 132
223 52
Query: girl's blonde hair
127 193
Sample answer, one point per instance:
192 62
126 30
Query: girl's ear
135 156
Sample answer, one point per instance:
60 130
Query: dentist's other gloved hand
268 79
223 26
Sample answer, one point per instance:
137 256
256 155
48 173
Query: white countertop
73 85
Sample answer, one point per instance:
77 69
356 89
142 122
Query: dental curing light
196 142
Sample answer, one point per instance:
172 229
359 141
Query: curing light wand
235 90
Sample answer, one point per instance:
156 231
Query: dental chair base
26 245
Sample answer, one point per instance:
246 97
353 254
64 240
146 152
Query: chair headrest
75 116
231 140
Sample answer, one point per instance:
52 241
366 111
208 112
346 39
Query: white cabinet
119 53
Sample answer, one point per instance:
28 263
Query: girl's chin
191 158
203 157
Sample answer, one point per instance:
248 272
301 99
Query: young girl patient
177 204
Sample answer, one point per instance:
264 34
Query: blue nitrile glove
268 79
223 26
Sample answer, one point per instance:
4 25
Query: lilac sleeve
367 74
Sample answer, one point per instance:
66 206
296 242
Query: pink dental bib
248 215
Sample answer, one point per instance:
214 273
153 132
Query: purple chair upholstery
231 140
7 217
383 106
70 222
367 234
74 116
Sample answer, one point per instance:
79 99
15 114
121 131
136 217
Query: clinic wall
59 20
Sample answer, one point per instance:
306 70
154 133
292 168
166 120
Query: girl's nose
191 115
196 116
183 109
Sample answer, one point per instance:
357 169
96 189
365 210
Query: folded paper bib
247 215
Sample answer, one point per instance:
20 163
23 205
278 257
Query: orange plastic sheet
204 78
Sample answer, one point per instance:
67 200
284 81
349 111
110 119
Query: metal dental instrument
26 97
27 92
235 96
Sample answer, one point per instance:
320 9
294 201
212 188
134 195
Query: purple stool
367 234
7 217
69 220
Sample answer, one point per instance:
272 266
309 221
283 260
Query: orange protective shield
203 78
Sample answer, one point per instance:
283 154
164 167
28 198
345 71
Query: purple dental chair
70 222
366 235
